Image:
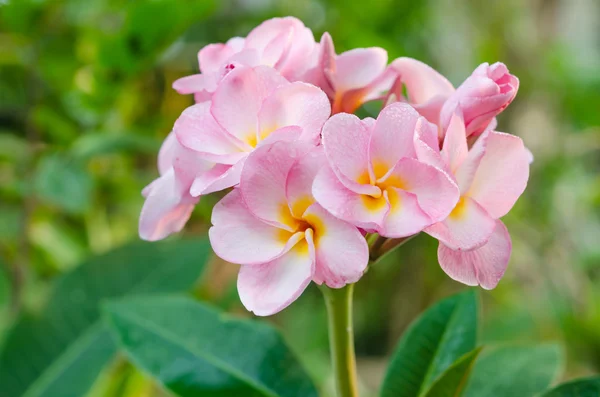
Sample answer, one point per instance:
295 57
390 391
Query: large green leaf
589 387
61 351
431 344
510 371
453 381
194 350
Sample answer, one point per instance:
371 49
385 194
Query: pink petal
357 209
467 169
346 143
237 236
341 250
263 181
213 56
469 226
405 216
359 67
436 193
502 174
167 208
455 148
484 266
196 129
298 104
423 83
167 153
195 83
392 138
300 179
268 288
219 177
237 100
262 35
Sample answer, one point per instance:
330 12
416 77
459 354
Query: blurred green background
86 99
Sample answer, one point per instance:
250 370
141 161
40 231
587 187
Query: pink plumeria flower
283 239
374 179
474 244
251 107
351 78
480 98
168 203
282 43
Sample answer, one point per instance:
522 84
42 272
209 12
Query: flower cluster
273 121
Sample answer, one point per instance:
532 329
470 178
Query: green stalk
341 339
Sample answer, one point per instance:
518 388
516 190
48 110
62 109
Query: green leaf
452 382
589 387
194 350
61 351
97 144
509 371
431 344
64 183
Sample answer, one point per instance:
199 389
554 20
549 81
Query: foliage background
85 101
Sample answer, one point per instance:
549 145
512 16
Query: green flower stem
341 339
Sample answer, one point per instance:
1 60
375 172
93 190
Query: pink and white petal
358 67
468 227
275 52
263 181
465 173
285 134
213 56
455 148
342 253
393 135
237 100
167 153
405 216
268 288
502 174
302 54
483 266
431 109
237 236
167 208
196 129
346 143
262 35
427 147
299 104
360 210
436 192
298 189
422 82
195 83
219 177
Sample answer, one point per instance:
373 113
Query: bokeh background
86 99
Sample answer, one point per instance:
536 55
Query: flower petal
195 83
358 67
263 181
436 193
392 138
237 236
167 208
212 57
468 226
268 288
298 104
346 143
360 210
341 250
484 266
196 129
405 216
237 100
455 148
422 82
300 179
502 174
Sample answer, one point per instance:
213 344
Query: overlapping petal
483 266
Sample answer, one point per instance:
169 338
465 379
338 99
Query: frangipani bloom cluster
307 182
